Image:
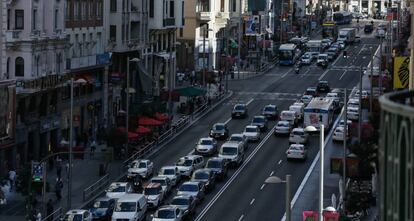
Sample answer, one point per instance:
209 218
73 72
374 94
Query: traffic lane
296 83
233 203
341 78
229 205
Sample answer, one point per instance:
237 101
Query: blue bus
342 17
288 54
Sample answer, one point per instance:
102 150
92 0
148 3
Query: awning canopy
132 136
191 91
145 79
147 121
162 117
143 130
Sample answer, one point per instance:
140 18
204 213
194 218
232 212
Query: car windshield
239 107
285 55
306 56
219 127
205 142
213 164
236 138
269 109
296 148
142 165
184 162
125 207
160 181
116 189
322 56
339 129
282 124
180 201
101 204
189 188
73 217
298 133
165 214
287 115
151 191
250 129
201 176
228 151
168 172
258 120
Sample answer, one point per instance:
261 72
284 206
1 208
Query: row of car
331 51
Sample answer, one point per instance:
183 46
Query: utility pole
127 108
380 73
204 55
344 149
69 203
360 104
371 76
239 35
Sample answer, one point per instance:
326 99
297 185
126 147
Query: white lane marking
271 174
287 72
252 201
262 186
241 217
323 75
342 75
227 121
280 161
233 177
305 179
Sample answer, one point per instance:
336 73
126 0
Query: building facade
396 156
186 37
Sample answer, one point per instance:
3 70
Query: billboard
401 72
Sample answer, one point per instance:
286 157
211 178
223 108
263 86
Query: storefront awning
145 79
143 130
147 121
132 136
162 117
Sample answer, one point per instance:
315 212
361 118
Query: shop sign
401 72
104 58
43 83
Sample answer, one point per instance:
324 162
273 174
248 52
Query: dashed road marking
271 174
263 185
280 161
252 201
342 75
241 217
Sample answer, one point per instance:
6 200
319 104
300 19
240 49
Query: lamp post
276 180
205 30
128 91
239 36
344 147
72 82
360 104
321 161
172 76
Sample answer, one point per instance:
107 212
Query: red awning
121 129
142 130
162 117
146 121
132 136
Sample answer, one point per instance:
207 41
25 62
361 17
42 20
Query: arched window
19 67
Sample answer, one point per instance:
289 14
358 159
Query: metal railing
56 215
99 185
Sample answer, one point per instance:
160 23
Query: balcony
204 16
13 35
168 22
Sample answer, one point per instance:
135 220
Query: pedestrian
12 178
49 210
93 147
67 168
58 189
3 200
39 216
59 170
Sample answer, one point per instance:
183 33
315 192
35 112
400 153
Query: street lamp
276 180
204 53
171 77
80 81
128 91
321 159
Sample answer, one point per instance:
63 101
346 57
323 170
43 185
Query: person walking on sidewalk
12 178
49 210
58 189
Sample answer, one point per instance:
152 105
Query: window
113 6
8 19
19 66
151 12
56 18
19 19
171 9
91 13
99 10
34 20
181 32
182 13
234 5
222 2
112 32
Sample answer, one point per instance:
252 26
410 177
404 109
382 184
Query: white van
130 207
299 109
289 116
232 152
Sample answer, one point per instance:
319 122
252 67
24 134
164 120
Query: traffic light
37 172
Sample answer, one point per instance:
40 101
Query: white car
118 189
338 134
283 127
154 194
297 151
172 173
252 133
306 99
144 168
353 102
353 113
206 146
364 94
239 138
341 45
322 58
306 58
380 33
168 213
334 97
186 165
164 181
342 123
78 214
298 135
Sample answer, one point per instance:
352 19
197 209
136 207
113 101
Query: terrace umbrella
147 121
143 130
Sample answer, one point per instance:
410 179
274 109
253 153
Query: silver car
252 133
283 128
206 146
194 189
298 135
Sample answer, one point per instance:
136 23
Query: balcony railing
169 22
204 16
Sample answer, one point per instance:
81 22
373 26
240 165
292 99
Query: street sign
37 171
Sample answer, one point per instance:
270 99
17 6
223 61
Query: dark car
206 177
239 111
270 112
311 91
186 204
368 28
136 181
218 166
323 86
219 131
260 121
103 208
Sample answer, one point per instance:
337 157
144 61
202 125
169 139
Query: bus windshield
285 55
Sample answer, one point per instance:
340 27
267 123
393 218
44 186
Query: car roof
152 185
130 197
237 135
169 167
297 145
230 144
159 178
219 124
76 211
206 138
283 121
298 129
168 207
119 184
183 196
191 157
251 126
288 111
259 116
191 183
216 159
